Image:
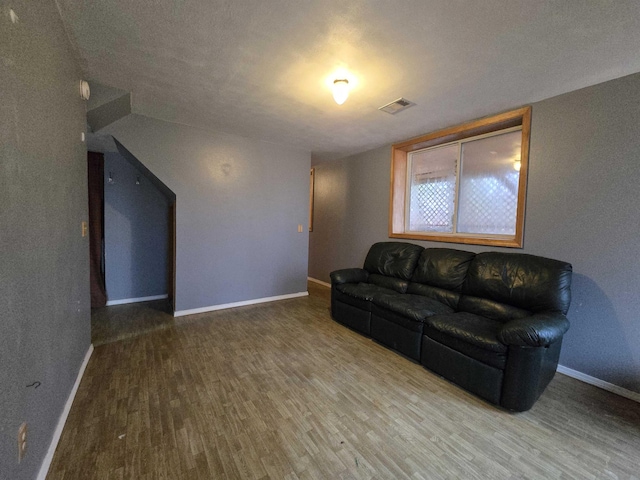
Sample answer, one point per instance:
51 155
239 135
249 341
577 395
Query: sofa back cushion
525 282
388 282
443 268
393 259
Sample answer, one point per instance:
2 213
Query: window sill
496 241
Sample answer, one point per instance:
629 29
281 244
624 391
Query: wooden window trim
397 201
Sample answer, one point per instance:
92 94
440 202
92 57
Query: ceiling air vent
396 106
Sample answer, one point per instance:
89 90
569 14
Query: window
465 184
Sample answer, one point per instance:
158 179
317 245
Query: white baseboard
319 282
136 300
46 463
193 311
623 392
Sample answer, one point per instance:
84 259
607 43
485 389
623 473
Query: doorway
136 251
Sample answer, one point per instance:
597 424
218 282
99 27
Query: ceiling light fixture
340 90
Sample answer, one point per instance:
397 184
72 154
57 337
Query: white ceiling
259 68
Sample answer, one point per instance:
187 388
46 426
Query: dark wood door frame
171 270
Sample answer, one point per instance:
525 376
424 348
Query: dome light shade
340 90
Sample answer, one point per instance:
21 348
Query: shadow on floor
119 322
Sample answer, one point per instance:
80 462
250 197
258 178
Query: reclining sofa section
489 322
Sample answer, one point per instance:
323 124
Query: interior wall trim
46 463
193 311
136 300
320 282
623 392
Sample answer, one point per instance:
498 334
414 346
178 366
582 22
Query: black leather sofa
490 322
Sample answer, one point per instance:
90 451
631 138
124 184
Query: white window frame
456 201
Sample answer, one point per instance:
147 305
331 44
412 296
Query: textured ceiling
259 68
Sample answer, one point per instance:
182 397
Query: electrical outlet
85 229
22 441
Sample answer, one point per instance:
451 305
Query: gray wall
136 232
238 206
582 207
44 261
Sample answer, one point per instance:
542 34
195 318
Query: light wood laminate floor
281 391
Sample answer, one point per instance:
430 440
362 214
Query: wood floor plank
281 391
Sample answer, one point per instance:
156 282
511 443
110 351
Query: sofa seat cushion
470 334
441 295
415 307
395 284
486 308
361 294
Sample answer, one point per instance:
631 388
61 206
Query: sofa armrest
349 275
538 330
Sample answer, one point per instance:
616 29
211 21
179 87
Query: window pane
432 189
488 197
